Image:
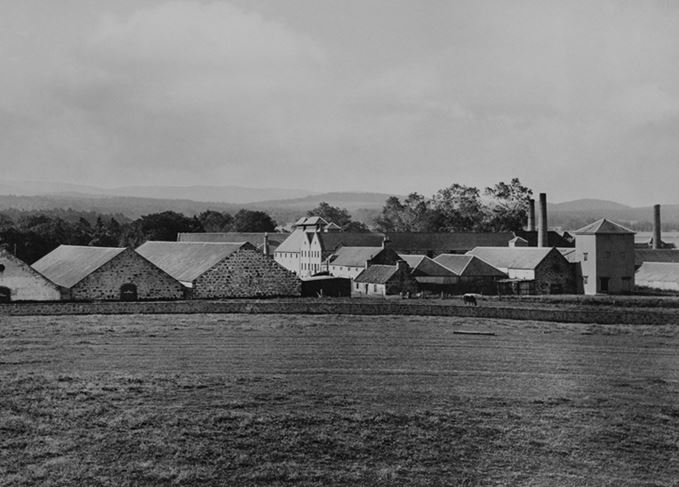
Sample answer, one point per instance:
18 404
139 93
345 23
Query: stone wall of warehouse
247 274
377 306
555 275
127 268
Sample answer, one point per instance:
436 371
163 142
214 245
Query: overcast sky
577 99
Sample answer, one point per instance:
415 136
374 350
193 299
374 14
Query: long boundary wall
601 315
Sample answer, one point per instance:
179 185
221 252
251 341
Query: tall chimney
542 221
656 226
266 243
531 215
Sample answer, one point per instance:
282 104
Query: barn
474 274
540 270
106 273
222 270
20 282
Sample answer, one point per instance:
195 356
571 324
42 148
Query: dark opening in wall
5 294
128 292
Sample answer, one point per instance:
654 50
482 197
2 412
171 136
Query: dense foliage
458 208
338 216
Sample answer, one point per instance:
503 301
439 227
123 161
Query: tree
253 221
166 225
508 206
356 227
214 221
460 208
414 214
334 214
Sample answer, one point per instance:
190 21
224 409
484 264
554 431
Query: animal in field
469 299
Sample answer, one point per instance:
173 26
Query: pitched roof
447 242
512 257
422 265
8 256
186 261
354 256
468 266
655 255
293 241
569 253
603 226
255 238
333 240
554 239
67 265
377 274
657 271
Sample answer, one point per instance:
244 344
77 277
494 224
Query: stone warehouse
106 273
222 270
20 282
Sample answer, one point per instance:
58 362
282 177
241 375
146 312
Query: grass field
335 400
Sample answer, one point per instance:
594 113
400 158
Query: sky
578 99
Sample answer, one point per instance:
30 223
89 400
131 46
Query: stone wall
246 274
555 275
127 267
347 306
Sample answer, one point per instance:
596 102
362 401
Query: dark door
603 284
5 294
128 292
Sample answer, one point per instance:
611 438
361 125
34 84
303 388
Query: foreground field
341 400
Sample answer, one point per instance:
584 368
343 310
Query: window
603 284
2 267
584 279
584 256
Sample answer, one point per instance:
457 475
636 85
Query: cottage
351 261
385 280
542 270
605 251
222 270
474 274
106 273
20 282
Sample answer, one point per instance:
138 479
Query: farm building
222 270
20 282
106 273
658 275
654 255
261 240
326 285
385 280
474 275
431 276
350 261
546 267
605 251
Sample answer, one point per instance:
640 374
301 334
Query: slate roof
603 226
20 264
655 255
255 238
422 265
554 239
353 256
569 253
67 265
658 272
293 241
333 240
186 261
447 242
512 257
468 266
377 274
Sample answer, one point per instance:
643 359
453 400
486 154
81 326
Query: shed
474 274
106 273
20 282
431 276
222 269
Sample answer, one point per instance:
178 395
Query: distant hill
350 201
586 204
221 194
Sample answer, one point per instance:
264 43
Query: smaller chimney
542 222
266 243
531 215
386 241
656 227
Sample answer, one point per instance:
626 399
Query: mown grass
412 406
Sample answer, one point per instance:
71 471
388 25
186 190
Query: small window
2 267
5 294
584 279
603 284
584 256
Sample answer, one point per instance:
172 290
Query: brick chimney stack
531 215
656 227
542 222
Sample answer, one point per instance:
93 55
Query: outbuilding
20 282
474 274
385 280
106 273
222 270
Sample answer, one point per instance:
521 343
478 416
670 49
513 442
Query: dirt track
560 404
